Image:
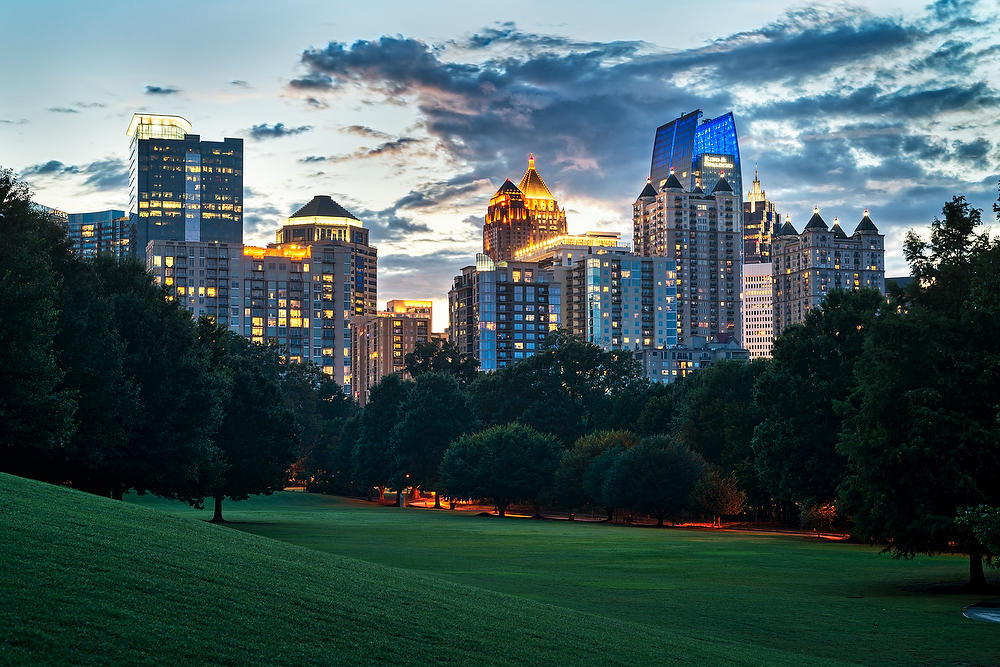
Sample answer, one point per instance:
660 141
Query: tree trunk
570 516
659 522
381 494
218 511
451 503
538 512
399 498
437 500
977 579
500 510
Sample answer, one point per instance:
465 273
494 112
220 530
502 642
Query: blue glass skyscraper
698 151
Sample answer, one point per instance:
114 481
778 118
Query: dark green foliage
35 411
506 464
258 436
719 496
320 409
435 412
441 356
813 367
574 388
570 489
658 414
921 430
658 478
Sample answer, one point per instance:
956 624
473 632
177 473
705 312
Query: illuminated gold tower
522 215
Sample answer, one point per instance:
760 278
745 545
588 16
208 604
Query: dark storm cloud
276 131
161 90
261 219
389 223
106 174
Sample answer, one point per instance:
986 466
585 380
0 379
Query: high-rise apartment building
521 215
760 224
205 278
669 364
822 258
757 308
180 187
100 233
703 234
698 151
611 297
380 343
501 313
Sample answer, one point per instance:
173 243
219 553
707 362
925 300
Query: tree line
109 386
878 414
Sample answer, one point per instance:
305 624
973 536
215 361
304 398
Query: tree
258 436
719 496
568 487
574 387
373 459
920 429
507 464
436 412
657 478
795 445
440 356
320 408
36 413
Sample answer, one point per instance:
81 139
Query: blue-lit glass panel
718 136
672 148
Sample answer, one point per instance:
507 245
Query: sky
412 114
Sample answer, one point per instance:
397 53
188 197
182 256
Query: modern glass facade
99 233
679 143
631 301
182 188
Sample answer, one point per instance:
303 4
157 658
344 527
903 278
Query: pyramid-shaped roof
838 231
532 184
508 187
866 224
325 207
673 182
816 222
787 229
697 190
648 191
722 186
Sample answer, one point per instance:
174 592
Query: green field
85 579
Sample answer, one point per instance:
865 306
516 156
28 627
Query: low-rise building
669 364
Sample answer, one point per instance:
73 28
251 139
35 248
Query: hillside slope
86 579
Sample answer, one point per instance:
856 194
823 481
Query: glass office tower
180 187
696 151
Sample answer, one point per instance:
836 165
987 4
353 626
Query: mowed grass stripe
799 596
88 580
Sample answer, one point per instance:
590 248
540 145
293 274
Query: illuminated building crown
532 184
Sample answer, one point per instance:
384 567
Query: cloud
10 121
313 158
278 130
240 83
387 148
76 106
161 90
261 220
63 110
107 174
365 131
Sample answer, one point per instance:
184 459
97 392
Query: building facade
380 343
610 296
760 223
501 313
702 233
699 151
180 187
822 258
669 364
205 278
521 215
757 308
100 233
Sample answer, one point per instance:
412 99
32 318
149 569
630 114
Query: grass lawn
800 597
87 580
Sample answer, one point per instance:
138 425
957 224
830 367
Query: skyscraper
380 343
702 233
521 215
180 187
760 223
698 151
99 233
822 258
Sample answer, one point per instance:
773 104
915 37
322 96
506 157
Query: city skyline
882 106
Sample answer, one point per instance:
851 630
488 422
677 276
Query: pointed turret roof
672 183
722 186
787 229
815 222
532 184
648 191
323 206
866 224
508 186
697 190
838 231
